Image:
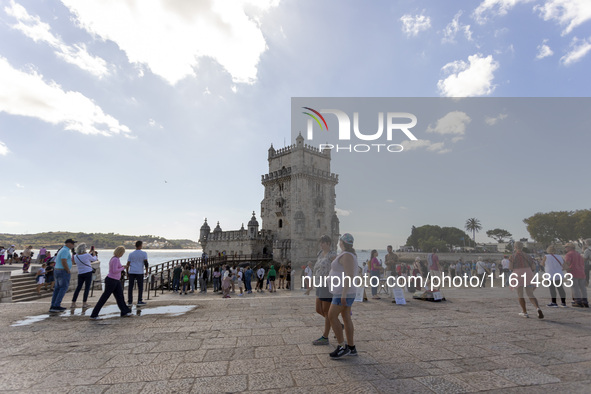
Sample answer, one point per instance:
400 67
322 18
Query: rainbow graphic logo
315 118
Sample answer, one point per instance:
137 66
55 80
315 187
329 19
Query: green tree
426 245
473 225
559 226
498 234
444 237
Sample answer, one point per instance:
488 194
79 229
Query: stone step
28 290
31 296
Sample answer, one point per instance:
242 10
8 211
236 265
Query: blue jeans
62 282
175 284
374 289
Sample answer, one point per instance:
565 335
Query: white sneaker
523 315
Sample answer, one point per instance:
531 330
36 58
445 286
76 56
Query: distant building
298 207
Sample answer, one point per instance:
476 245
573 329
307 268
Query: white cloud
494 8
38 31
29 95
342 212
413 25
154 124
3 149
491 121
466 79
544 50
438 147
568 13
169 37
578 49
20 186
390 201
453 123
452 29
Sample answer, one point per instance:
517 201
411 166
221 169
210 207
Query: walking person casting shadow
113 286
343 297
522 267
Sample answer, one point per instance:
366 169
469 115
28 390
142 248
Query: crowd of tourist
54 275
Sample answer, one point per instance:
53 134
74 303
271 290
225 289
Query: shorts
280 276
40 280
336 300
49 279
271 278
324 294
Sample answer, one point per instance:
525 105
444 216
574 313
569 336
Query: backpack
185 278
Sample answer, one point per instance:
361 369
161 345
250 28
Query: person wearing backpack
186 275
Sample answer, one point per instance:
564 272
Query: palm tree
473 225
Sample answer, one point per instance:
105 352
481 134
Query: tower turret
253 226
203 234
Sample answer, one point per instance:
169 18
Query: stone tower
299 201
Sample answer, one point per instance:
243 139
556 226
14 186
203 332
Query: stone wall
409 257
5 287
96 277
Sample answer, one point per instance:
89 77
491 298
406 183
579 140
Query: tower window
318 223
280 223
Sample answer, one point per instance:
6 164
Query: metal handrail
164 269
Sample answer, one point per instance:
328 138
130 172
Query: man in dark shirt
176 278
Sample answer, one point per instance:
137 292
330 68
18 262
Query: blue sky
144 117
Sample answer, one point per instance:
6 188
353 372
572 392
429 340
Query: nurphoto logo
395 122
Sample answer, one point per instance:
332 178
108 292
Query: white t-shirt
554 265
480 266
261 273
136 261
505 264
308 271
83 262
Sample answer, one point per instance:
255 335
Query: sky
145 117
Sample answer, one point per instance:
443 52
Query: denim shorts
336 300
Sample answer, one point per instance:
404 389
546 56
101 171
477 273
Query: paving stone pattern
263 343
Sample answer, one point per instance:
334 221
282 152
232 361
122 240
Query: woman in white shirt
553 265
83 261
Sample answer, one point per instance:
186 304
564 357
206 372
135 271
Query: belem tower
298 207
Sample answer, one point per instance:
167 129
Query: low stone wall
97 278
409 257
5 287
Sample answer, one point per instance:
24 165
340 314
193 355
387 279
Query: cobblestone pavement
475 341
